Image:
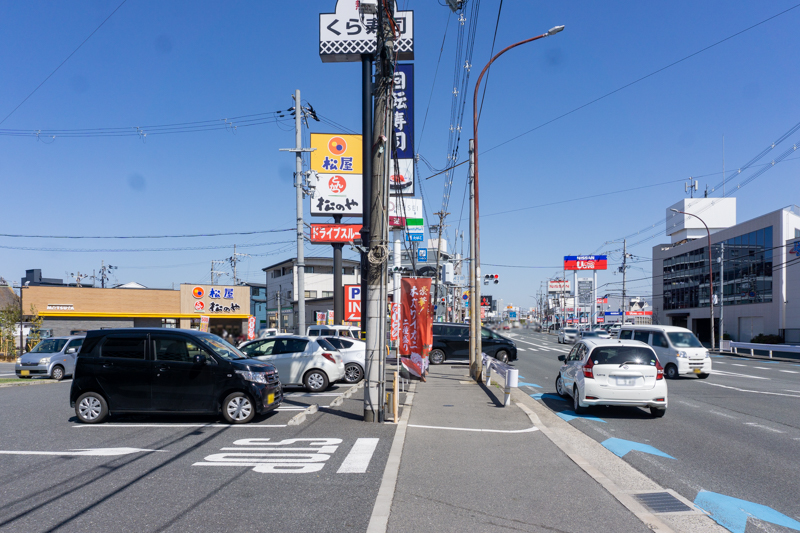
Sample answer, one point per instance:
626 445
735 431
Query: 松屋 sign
347 34
337 160
334 233
585 262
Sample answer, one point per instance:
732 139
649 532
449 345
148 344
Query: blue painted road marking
731 513
621 447
548 396
570 415
523 384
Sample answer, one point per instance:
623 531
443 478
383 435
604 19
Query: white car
354 354
613 331
677 348
568 335
602 333
613 372
313 363
333 331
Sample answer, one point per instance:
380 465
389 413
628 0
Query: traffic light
444 300
491 277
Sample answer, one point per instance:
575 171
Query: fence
786 348
510 375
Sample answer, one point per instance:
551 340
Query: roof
326 260
7 297
596 341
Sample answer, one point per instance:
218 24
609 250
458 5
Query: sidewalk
469 464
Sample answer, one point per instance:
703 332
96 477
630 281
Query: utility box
447 273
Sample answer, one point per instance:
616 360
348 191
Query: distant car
451 341
506 327
354 355
612 372
50 358
601 333
312 363
567 335
334 331
613 331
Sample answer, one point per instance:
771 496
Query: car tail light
329 357
591 397
659 399
587 369
659 370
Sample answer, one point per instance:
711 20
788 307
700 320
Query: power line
62 63
144 236
178 249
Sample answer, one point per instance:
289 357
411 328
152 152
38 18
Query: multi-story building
750 263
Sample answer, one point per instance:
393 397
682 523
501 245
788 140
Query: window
327 294
437 329
487 334
324 270
641 336
349 271
617 355
175 349
346 344
311 294
681 339
169 323
573 353
321 331
659 340
49 346
626 334
259 348
289 346
309 269
75 343
324 344
124 347
336 342
276 273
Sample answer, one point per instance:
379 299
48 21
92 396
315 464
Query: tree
9 318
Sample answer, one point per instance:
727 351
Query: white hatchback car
613 372
354 354
313 363
567 335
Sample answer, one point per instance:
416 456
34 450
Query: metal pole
298 183
473 365
624 274
366 189
338 286
710 285
21 342
593 307
721 293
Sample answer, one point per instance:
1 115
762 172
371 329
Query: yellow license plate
25 373
271 398
697 370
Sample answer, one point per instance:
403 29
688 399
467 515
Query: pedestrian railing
735 346
510 376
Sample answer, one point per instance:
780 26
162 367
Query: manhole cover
662 502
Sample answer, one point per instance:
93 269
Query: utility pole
278 297
624 274
475 361
721 290
377 255
438 281
216 273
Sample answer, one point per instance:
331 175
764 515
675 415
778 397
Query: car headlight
682 354
44 360
19 359
257 377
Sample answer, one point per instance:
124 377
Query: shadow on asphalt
599 411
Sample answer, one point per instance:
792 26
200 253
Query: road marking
272 458
179 426
753 424
789 371
732 513
91 452
762 368
312 394
722 414
524 384
290 409
724 373
621 447
4 375
753 391
359 457
571 415
788 390
736 364
478 430
548 396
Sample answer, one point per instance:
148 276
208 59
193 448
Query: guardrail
764 347
510 376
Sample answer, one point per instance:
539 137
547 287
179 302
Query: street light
476 254
710 272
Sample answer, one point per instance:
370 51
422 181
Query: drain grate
662 502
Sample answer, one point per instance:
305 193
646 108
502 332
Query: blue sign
613 313
414 237
512 314
422 255
403 94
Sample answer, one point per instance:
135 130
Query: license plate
626 382
25 373
271 398
697 370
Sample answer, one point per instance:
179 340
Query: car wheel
502 356
91 408
702 376
57 373
657 412
436 357
560 387
576 404
315 381
237 408
353 373
671 372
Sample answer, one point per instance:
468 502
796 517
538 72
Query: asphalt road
178 474
7 371
736 433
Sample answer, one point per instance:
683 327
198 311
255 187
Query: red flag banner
395 329
416 336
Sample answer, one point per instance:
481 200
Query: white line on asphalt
754 391
762 368
520 349
528 430
789 390
313 394
735 364
724 373
179 426
789 371
722 414
3 375
359 457
290 409
762 427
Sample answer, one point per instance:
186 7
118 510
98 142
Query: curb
25 383
349 392
299 418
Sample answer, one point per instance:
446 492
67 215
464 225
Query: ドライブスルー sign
585 262
334 233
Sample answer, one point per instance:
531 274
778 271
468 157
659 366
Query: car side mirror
562 357
72 350
199 359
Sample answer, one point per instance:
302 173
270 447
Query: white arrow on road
94 452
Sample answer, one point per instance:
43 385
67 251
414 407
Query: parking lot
164 473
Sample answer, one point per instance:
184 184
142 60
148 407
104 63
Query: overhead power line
178 249
145 236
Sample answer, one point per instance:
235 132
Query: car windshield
49 346
221 347
617 355
684 339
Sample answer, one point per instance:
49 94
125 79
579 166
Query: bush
767 339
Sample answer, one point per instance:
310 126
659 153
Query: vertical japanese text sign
394 335
402 175
337 160
416 336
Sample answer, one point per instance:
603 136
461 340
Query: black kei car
451 341
155 370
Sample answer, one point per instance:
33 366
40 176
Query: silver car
51 358
354 356
568 335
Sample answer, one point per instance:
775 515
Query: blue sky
158 63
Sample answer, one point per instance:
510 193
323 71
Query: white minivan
678 350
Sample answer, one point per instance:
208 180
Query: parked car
677 348
312 363
612 372
50 358
451 341
146 370
354 355
334 331
601 333
567 335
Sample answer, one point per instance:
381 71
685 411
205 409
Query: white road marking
735 364
762 368
520 349
753 391
722 414
290 409
789 371
4 375
789 390
534 428
93 452
762 427
312 394
179 426
724 373
359 457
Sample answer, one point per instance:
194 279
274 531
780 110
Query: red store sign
334 233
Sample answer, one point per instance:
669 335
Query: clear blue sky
158 63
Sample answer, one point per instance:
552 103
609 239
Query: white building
754 268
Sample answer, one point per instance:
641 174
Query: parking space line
359 457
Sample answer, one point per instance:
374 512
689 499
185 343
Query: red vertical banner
395 329
416 336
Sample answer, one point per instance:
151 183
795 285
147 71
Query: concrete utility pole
377 256
721 290
278 297
235 259
624 273
438 279
475 361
